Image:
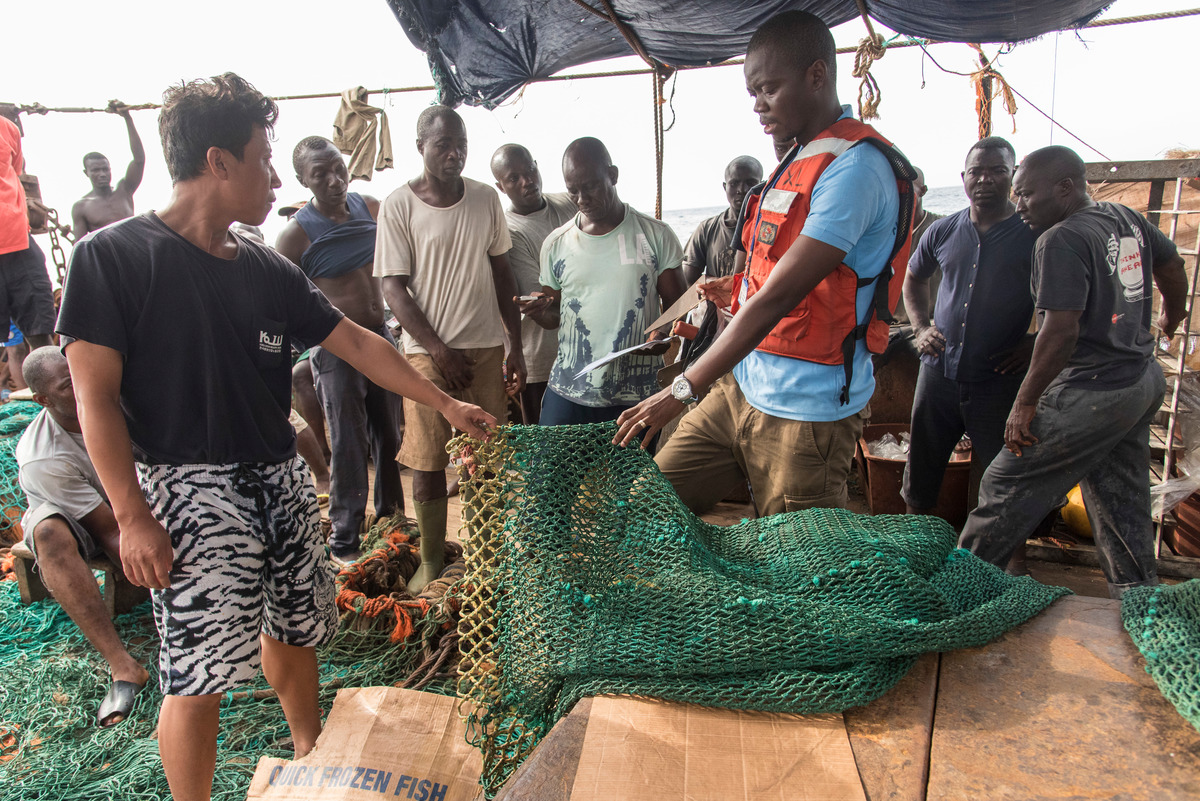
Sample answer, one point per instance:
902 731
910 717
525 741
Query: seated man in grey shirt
69 521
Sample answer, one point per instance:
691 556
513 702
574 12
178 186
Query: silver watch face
681 389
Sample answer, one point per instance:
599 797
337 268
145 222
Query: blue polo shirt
855 205
985 301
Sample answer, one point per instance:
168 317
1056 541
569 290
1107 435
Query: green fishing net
1164 622
586 575
53 682
15 417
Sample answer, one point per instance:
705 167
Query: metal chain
54 228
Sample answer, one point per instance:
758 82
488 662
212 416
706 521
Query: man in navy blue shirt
974 354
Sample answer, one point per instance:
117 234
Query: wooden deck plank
1058 708
890 736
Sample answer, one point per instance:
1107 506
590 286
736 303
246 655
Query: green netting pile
586 575
52 683
1164 622
15 417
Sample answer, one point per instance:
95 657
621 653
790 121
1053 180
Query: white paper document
616 354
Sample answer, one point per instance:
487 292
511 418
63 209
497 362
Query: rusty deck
1058 708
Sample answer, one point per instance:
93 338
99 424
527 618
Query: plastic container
883 479
1184 539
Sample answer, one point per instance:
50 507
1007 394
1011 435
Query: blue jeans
560 411
1099 439
943 410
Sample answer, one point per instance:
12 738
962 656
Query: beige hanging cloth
354 132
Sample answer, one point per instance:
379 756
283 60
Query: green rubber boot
431 522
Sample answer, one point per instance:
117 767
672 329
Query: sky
1124 90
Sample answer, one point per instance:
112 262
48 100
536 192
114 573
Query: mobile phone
527 298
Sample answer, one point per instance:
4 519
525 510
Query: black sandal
118 703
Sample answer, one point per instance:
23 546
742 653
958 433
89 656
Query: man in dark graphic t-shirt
189 432
1082 414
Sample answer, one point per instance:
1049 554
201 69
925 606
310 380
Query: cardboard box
640 748
379 742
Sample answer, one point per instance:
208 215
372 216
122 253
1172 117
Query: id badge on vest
772 214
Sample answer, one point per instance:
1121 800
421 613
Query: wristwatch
682 391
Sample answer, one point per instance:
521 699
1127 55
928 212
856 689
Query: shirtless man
332 239
105 205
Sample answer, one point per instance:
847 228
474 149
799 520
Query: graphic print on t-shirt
609 296
1129 269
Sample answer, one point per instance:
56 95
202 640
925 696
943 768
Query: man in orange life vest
833 218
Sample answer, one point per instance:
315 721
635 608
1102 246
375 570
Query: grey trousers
1098 439
363 419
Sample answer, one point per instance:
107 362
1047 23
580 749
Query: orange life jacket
824 327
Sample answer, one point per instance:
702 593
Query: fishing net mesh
53 682
1164 622
586 575
15 417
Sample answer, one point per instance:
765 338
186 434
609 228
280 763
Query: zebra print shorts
249 559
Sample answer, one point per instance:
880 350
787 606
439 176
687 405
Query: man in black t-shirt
190 436
1082 414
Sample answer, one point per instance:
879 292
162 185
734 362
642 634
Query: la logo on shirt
640 250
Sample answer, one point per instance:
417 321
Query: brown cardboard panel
890 736
379 742
1059 708
639 748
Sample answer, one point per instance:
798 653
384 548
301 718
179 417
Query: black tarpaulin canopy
481 51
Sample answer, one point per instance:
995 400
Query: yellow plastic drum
1075 515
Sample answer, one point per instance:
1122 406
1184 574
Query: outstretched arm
805 265
378 360
137 167
96 371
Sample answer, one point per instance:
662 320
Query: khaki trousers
790 464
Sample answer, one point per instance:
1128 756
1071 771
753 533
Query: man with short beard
606 275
